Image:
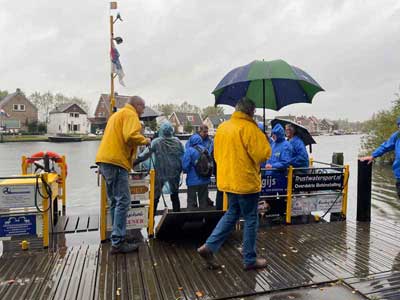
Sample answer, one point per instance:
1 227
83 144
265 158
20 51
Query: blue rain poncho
281 149
166 153
393 143
299 154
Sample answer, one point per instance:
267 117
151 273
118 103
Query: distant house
102 111
314 124
68 118
289 117
181 120
326 126
305 122
20 112
213 122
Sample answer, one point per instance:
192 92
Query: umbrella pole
263 83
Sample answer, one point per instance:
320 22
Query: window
190 118
71 115
76 115
19 107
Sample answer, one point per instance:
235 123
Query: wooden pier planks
76 224
365 255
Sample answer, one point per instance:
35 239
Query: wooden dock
363 258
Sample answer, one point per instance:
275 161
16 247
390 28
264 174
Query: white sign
16 196
304 205
136 218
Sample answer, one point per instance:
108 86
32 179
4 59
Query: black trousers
197 192
398 188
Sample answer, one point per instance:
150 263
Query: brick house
213 122
20 110
179 120
102 111
68 118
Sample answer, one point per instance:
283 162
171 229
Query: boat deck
362 257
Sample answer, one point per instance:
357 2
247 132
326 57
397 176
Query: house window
76 115
71 115
190 118
19 107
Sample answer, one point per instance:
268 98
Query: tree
188 128
3 94
212 111
152 124
166 109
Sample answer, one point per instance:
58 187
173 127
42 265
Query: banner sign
136 218
17 196
306 205
17 225
139 189
273 183
317 182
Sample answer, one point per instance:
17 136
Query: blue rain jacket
393 143
281 149
299 153
208 143
189 159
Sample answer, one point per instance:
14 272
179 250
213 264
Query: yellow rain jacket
239 148
121 138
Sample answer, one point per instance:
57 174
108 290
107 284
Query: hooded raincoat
121 138
281 149
299 153
166 153
239 149
393 143
189 161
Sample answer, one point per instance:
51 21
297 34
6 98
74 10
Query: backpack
204 164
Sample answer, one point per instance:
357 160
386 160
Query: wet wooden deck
364 256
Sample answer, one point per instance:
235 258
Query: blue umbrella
270 84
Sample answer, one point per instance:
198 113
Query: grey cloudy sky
176 50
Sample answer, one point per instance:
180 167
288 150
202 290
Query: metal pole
263 83
364 191
289 195
112 97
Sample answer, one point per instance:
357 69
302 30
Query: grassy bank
39 138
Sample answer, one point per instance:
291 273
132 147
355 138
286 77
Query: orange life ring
52 155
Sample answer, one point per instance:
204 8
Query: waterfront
83 193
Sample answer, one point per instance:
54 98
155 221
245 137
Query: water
83 193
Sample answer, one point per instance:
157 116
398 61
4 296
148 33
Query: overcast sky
177 50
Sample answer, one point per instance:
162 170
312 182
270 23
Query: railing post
24 165
103 209
45 204
289 196
225 202
337 158
345 189
151 205
364 191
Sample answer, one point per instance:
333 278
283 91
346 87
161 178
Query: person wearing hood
392 144
165 156
281 150
206 140
197 184
299 152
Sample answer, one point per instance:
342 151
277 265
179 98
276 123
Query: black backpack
204 164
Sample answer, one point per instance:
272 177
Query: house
213 122
102 111
20 112
185 122
314 124
327 126
68 118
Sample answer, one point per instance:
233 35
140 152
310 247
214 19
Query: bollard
364 191
337 158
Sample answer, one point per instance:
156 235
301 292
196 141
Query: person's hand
268 166
148 141
370 159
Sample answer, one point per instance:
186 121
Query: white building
68 118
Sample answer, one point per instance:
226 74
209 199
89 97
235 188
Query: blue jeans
239 205
119 198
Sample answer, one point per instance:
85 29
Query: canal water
83 192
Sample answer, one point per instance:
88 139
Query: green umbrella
270 84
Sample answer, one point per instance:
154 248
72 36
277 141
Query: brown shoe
208 256
260 263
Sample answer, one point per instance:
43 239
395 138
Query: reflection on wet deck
365 256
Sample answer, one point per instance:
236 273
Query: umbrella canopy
301 131
270 84
149 114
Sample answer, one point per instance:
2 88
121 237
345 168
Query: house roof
183 118
120 101
216 120
63 108
9 97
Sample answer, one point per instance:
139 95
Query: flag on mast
116 67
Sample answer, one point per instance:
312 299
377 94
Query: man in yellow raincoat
239 148
115 157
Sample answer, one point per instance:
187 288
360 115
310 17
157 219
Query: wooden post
337 158
364 180
289 195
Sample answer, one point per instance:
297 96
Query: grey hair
291 126
246 105
135 100
203 127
